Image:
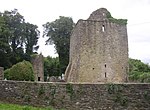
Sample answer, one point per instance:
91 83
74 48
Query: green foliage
117 90
19 107
34 56
22 71
118 21
51 66
31 37
52 93
18 39
53 90
138 71
4 44
41 90
146 96
113 88
69 90
58 33
27 98
123 100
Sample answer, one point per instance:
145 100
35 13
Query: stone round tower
98 50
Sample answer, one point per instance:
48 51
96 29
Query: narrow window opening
38 78
103 14
93 68
105 65
103 28
105 75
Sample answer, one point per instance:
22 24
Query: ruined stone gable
98 50
38 66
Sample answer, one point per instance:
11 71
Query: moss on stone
118 21
69 89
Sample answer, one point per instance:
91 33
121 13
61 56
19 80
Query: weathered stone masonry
77 96
98 50
38 66
1 73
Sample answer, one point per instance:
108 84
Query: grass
19 107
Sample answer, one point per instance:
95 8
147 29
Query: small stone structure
98 50
1 73
38 66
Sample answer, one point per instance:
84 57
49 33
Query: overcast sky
136 11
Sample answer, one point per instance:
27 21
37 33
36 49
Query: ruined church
98 50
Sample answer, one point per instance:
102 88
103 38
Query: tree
51 66
18 39
14 22
31 36
4 44
138 71
22 71
58 33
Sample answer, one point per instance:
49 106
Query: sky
136 11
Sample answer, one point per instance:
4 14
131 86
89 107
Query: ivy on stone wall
114 20
41 90
69 90
116 90
146 96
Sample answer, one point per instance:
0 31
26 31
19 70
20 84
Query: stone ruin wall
1 73
77 96
38 66
98 51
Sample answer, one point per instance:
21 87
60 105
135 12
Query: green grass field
19 107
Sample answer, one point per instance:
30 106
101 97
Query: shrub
22 71
138 71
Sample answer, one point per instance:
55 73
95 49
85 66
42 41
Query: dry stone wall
98 50
77 96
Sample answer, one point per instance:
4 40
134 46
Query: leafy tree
31 36
21 71
51 67
18 39
138 71
14 22
4 44
58 33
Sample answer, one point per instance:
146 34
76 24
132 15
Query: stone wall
1 73
77 96
98 50
38 66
